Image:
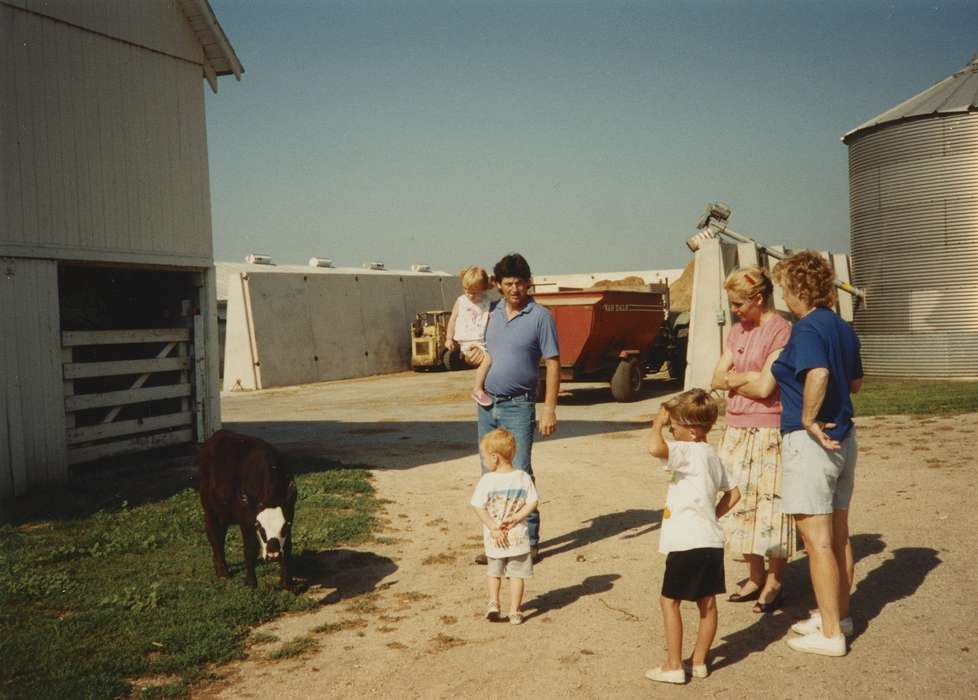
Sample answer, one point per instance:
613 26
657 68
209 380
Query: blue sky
587 135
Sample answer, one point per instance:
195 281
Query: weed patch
91 600
294 648
334 627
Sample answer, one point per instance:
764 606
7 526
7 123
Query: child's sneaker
481 398
814 624
492 612
677 676
516 618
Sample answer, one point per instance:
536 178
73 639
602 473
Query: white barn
107 288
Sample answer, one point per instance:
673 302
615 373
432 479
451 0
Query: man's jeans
517 414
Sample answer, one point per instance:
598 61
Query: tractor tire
449 360
677 363
626 383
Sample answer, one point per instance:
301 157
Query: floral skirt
756 524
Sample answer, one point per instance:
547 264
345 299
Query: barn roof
220 58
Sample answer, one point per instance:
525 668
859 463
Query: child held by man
691 536
502 499
467 328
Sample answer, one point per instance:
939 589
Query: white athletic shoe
697 670
677 676
814 624
818 643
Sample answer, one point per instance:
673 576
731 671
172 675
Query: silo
913 203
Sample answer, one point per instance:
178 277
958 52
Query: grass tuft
293 648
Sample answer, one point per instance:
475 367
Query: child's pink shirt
749 345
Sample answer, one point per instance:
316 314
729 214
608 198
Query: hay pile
681 291
632 283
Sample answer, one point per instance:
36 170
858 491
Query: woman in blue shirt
817 372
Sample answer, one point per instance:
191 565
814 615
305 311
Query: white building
107 288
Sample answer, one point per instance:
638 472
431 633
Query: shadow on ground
575 395
602 527
349 572
562 597
896 578
400 444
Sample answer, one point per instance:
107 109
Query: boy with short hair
691 537
502 500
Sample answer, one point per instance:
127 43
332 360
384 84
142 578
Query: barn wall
310 328
32 421
103 144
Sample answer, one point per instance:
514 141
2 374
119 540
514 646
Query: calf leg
249 539
285 580
216 533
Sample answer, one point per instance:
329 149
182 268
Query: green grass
918 397
294 648
92 601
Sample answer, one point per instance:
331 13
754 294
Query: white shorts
816 481
510 567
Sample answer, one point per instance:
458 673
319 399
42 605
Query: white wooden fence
109 436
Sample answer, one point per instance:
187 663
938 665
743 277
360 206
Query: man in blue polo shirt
519 333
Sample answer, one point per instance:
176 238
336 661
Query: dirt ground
405 614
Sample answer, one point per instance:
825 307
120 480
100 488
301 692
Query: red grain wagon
613 335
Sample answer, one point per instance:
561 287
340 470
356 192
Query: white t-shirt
689 520
503 494
472 319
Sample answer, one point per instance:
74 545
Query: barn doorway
132 340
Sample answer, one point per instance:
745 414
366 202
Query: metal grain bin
913 203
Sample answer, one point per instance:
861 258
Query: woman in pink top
751 444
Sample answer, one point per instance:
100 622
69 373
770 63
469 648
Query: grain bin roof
218 52
955 94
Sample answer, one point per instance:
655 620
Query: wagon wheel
627 380
677 363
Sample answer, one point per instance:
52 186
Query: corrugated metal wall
913 197
32 425
103 144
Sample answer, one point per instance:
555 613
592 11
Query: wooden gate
93 427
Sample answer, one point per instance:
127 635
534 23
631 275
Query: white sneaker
697 670
814 624
818 643
677 676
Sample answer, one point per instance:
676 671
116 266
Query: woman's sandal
738 598
776 602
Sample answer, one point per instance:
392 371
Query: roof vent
421 268
256 259
320 262
374 265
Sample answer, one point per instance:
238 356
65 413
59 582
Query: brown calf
243 481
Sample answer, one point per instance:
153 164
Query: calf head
273 531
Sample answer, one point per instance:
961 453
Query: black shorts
693 574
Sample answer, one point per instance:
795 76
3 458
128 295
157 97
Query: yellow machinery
429 331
